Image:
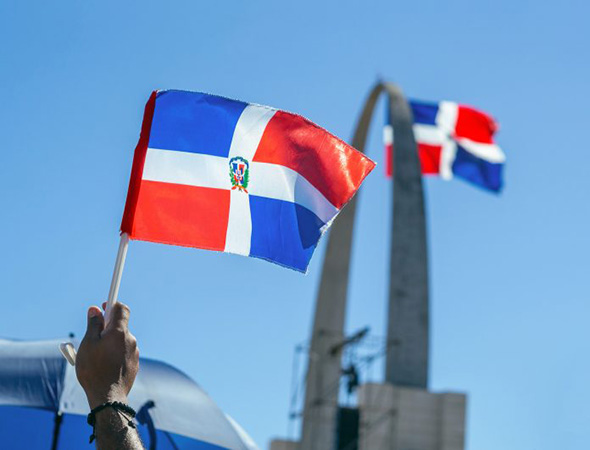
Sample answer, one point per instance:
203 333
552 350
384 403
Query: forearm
112 431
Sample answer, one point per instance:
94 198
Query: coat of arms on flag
239 173
221 174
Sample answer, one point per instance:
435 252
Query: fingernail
93 312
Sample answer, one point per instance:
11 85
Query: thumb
95 323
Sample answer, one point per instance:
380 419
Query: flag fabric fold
453 140
225 175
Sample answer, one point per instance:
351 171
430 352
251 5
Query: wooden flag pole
117 274
67 349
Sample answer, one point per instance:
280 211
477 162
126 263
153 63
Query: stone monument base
280 444
402 418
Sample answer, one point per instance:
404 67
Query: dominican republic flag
221 174
453 140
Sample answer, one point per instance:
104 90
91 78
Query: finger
119 316
95 323
104 306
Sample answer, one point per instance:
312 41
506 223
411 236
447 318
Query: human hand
108 357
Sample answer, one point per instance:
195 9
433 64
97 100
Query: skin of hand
108 357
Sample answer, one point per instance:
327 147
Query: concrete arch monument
408 317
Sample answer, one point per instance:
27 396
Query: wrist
110 418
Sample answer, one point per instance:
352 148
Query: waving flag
453 140
221 174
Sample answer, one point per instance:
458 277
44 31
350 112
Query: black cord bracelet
117 406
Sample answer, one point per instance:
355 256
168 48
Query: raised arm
106 366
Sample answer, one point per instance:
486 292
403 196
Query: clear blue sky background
509 273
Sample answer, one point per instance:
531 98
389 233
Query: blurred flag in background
453 140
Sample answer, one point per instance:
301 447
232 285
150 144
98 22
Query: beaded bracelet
117 406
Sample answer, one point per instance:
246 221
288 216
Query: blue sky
508 273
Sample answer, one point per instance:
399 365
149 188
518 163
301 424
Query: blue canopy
43 406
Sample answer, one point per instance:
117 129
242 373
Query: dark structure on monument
400 413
